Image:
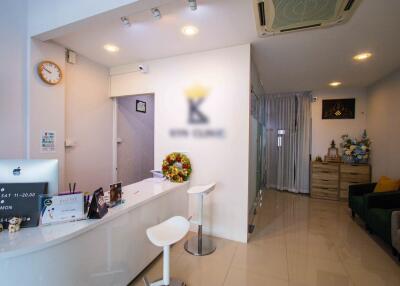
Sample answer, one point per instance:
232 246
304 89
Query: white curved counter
109 251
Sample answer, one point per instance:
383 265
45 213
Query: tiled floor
298 242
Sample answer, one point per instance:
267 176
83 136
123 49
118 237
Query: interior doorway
135 138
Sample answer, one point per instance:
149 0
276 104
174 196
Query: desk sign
98 207
21 200
62 208
115 195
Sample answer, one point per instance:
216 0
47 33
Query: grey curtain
288 123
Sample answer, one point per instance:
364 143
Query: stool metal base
173 282
200 245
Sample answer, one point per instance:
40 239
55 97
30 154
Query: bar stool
164 235
200 245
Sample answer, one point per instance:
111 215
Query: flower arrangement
176 167
354 150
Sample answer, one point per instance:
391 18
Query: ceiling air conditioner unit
281 16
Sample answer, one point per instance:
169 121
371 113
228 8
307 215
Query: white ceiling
305 60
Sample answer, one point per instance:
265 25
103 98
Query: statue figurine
14 224
333 153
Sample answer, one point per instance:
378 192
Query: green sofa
375 209
379 210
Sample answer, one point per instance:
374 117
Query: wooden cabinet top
340 163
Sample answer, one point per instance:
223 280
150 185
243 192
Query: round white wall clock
49 72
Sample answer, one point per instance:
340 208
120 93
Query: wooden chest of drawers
331 180
352 175
325 181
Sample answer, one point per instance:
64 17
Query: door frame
115 132
114 140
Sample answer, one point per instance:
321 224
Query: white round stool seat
169 231
205 189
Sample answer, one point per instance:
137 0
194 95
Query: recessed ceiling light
362 56
111 48
190 30
335 83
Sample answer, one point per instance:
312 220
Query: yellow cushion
386 184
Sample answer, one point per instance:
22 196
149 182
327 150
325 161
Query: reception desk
109 251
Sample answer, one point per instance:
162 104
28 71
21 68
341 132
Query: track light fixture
192 5
156 13
125 21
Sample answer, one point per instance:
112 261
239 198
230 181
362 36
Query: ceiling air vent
261 13
282 16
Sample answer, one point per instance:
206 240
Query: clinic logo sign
196 95
197 117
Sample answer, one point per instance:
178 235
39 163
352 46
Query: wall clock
49 72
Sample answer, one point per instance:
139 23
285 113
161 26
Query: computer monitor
21 200
30 171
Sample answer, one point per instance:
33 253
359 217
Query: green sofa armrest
385 200
359 190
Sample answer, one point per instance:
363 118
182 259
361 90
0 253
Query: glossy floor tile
298 241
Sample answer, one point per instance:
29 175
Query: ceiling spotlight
125 21
192 5
362 56
111 48
335 83
156 13
189 30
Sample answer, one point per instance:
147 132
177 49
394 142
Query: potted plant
356 151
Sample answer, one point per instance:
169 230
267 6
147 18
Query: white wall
226 73
323 131
47 104
88 123
383 126
12 78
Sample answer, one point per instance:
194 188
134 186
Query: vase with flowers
356 151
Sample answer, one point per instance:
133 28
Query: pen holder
85 206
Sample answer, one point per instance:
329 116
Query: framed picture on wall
338 108
140 106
